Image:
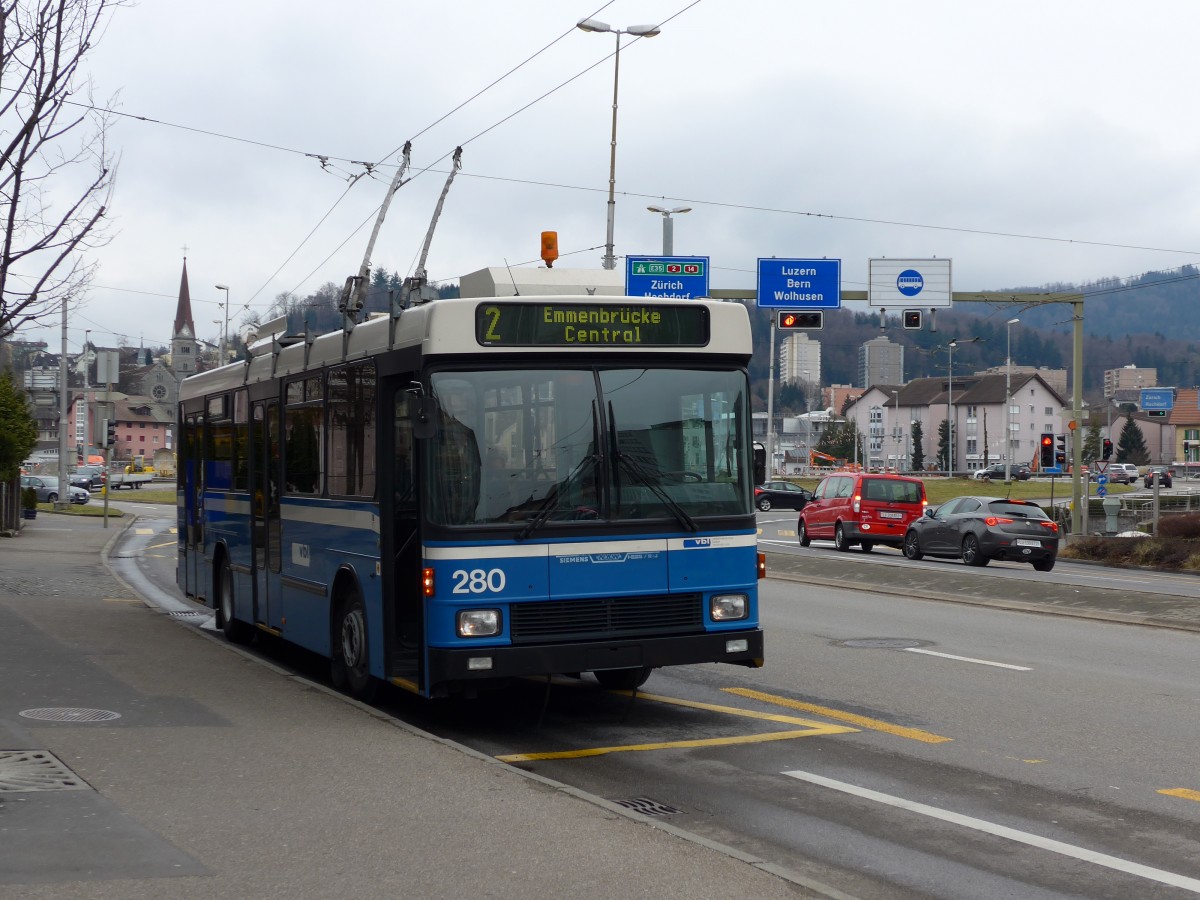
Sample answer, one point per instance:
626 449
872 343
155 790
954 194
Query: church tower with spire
184 347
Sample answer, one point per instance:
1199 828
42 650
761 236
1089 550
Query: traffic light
1156 413
912 319
1107 452
794 320
110 432
1046 450
1060 452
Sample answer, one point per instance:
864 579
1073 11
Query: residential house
984 433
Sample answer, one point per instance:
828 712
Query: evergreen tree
1091 444
918 451
943 451
1131 446
18 429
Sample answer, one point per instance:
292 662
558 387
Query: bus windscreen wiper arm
547 508
655 488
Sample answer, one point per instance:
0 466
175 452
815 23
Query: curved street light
595 25
669 225
225 330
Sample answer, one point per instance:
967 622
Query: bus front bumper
475 664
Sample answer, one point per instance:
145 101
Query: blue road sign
1102 480
671 277
1157 398
1102 491
800 283
1052 470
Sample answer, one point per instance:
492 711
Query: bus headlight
723 607
478 623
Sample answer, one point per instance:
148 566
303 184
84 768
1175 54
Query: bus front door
265 514
193 510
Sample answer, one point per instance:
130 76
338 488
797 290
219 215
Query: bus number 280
478 581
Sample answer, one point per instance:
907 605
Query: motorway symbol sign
800 283
670 277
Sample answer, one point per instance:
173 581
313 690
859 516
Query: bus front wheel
350 667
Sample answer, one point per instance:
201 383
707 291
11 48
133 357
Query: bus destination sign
591 325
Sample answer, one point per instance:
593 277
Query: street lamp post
1008 404
669 226
897 435
610 259
950 412
225 328
950 403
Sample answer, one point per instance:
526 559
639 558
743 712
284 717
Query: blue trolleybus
472 490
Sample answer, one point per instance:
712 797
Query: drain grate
70 714
188 614
36 770
881 643
648 807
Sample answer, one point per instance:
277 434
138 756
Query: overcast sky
1031 142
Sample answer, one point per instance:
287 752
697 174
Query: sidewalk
181 767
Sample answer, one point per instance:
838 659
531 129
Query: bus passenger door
265 513
193 508
402 542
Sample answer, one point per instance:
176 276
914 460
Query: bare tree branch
56 171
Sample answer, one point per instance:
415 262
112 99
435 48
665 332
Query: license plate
891 515
1021 542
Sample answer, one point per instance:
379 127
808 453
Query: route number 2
478 581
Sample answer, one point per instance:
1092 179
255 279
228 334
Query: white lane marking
1012 834
970 659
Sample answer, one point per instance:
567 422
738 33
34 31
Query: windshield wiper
549 504
640 473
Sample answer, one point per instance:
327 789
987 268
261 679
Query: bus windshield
526 447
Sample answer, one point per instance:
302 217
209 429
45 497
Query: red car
853 508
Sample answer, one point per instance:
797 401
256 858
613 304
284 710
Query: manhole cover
648 807
70 714
36 770
881 643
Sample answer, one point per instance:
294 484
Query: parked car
1161 474
861 509
1018 472
90 478
980 529
46 488
782 494
1118 473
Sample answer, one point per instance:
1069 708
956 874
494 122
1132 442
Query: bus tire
350 667
623 679
235 632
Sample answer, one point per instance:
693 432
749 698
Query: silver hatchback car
46 488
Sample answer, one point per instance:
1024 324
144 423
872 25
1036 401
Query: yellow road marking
808 729
861 721
1182 792
158 546
143 531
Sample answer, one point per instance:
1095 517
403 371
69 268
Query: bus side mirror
425 418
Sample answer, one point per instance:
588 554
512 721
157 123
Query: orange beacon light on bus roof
549 248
